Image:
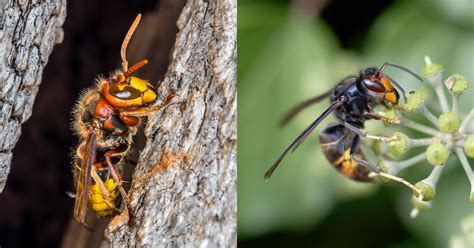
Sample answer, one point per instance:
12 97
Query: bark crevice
28 33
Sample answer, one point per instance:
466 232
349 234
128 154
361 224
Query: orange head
376 84
124 91
380 86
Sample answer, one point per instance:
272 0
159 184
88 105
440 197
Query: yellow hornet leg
377 170
401 180
125 216
382 138
383 118
144 111
118 180
140 111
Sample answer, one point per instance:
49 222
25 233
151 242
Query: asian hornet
352 101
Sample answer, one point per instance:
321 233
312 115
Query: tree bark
28 32
184 187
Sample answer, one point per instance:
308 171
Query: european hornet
352 102
106 118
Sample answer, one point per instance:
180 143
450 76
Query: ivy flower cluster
449 135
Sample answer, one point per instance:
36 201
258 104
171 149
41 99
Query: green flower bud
415 100
432 72
428 191
400 146
449 122
432 69
457 84
437 154
469 146
471 198
389 113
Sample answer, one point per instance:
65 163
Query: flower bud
449 122
431 69
428 190
437 154
456 83
469 146
415 100
390 114
432 72
399 146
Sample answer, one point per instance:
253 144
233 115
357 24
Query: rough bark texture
184 187
28 32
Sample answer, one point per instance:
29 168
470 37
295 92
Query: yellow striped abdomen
97 202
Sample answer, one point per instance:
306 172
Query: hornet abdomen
336 140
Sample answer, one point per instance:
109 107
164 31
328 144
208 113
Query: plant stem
395 167
465 165
420 142
454 108
411 161
419 127
430 116
466 121
433 178
443 102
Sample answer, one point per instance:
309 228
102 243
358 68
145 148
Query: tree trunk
184 187
28 32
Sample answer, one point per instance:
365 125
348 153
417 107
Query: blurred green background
289 51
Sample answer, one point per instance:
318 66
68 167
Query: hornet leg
103 190
382 118
362 133
377 170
